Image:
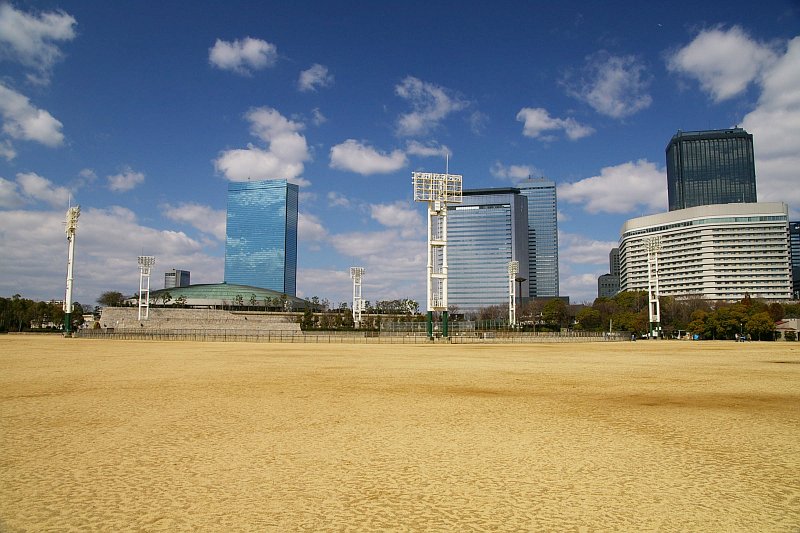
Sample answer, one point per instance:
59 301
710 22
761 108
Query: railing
349 337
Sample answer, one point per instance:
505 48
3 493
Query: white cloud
725 62
513 172
41 189
29 39
309 228
620 189
363 159
125 180
202 217
283 158
615 86
427 150
314 77
583 250
579 287
537 121
243 56
23 121
7 150
9 195
398 215
430 103
317 117
108 241
775 125
337 200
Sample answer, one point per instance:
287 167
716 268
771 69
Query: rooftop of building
708 134
225 292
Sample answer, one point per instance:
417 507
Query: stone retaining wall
126 318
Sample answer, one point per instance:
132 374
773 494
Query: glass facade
710 167
261 235
486 231
794 254
542 236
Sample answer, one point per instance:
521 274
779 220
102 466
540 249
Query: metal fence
349 337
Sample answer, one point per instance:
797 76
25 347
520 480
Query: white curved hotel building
718 252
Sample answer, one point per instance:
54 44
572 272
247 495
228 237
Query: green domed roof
225 293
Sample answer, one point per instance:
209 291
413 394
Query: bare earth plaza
109 435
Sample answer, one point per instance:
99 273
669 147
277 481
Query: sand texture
186 436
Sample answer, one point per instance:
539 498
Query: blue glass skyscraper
542 236
261 235
486 231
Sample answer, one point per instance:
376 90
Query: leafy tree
111 299
790 335
555 312
589 319
238 300
253 300
760 326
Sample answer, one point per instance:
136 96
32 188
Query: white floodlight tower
513 269
357 273
437 190
71 228
146 262
653 245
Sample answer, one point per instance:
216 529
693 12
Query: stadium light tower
146 262
71 228
653 245
513 270
358 303
437 190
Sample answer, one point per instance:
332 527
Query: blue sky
142 112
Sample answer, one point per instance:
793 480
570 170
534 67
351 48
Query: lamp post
519 280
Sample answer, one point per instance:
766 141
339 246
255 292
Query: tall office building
710 167
176 278
542 236
261 243
484 233
608 284
794 253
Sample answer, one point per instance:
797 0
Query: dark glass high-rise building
794 257
710 167
261 235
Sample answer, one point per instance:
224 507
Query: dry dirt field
183 436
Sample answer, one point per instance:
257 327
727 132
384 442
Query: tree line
21 314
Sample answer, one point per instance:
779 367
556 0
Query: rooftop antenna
71 229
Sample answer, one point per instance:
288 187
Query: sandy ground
171 436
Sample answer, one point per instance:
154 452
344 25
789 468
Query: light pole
72 227
519 280
513 270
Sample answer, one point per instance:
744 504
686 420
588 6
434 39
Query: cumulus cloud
317 117
363 159
775 125
201 217
615 86
283 158
513 172
398 215
622 188
337 200
243 56
125 180
108 242
309 228
725 62
23 121
536 121
41 189
584 250
9 195
7 150
30 39
430 105
432 149
314 77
